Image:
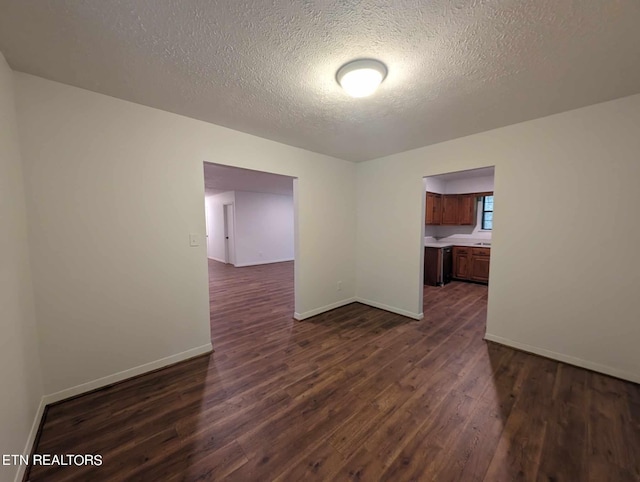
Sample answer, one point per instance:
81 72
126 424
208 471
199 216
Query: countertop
438 245
447 244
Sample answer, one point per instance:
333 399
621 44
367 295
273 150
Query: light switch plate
193 240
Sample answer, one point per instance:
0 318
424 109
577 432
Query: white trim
243 265
217 259
28 446
391 309
322 309
571 360
123 375
375 304
98 383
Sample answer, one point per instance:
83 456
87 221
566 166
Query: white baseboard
28 446
392 309
375 304
271 261
123 375
317 311
571 360
217 259
98 383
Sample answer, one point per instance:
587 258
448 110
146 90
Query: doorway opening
251 220
457 239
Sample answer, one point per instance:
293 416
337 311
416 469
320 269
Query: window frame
484 211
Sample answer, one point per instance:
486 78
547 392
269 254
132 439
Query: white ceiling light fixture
361 78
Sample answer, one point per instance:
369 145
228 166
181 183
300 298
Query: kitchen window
487 213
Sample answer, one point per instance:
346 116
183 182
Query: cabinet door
466 209
460 263
480 268
450 209
428 212
437 209
433 210
432 266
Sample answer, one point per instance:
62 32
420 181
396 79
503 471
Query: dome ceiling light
361 78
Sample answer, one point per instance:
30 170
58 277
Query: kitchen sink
483 244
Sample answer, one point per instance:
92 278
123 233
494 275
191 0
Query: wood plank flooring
353 394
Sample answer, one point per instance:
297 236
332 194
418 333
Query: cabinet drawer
460 250
481 251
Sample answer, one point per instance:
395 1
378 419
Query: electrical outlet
339 286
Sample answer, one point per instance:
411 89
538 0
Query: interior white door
208 223
229 240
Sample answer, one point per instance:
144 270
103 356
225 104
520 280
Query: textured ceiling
456 67
219 178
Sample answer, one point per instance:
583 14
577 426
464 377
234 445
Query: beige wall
565 257
19 359
114 189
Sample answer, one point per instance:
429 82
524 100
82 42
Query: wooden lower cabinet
480 264
460 262
432 275
471 263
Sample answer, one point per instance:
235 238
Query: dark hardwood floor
353 394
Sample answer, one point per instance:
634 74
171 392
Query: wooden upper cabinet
437 209
428 209
450 209
466 209
433 211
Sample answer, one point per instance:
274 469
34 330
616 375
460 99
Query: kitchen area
458 227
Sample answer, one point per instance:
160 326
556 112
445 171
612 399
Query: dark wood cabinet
437 266
437 209
433 210
471 263
432 275
450 209
480 258
460 262
458 209
428 209
466 209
